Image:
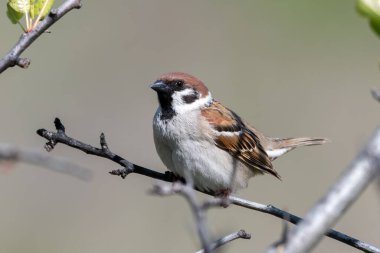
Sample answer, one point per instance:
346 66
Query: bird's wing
232 135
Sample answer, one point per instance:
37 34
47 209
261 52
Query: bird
196 136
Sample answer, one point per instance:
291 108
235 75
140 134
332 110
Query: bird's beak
159 86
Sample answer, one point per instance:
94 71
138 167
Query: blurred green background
291 68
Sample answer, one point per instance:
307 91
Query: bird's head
181 92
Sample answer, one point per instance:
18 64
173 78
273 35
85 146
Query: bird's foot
224 195
172 177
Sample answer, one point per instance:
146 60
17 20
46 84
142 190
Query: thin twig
128 167
12 58
57 164
342 194
334 234
199 210
227 239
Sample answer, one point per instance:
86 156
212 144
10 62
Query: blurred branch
128 167
376 94
227 239
333 205
26 39
187 191
278 246
272 210
57 164
199 212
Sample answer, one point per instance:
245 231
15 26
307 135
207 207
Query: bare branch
227 239
199 212
128 167
57 164
272 210
13 57
333 205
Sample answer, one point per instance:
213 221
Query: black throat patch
165 101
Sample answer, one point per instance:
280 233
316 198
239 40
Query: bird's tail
297 142
280 146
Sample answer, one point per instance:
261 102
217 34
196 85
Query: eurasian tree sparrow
196 135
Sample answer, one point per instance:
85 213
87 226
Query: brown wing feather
241 142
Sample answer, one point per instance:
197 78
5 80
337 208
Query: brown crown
189 80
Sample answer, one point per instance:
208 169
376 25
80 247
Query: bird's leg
224 197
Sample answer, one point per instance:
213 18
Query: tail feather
297 142
280 146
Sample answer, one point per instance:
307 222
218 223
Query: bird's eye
178 83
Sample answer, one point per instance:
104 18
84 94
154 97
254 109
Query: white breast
182 145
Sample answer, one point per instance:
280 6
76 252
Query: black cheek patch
188 99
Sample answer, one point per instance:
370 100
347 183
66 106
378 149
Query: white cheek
180 106
177 97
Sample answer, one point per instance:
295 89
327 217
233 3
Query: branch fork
12 58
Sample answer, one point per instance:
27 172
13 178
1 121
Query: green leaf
22 6
42 8
375 25
371 10
13 15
